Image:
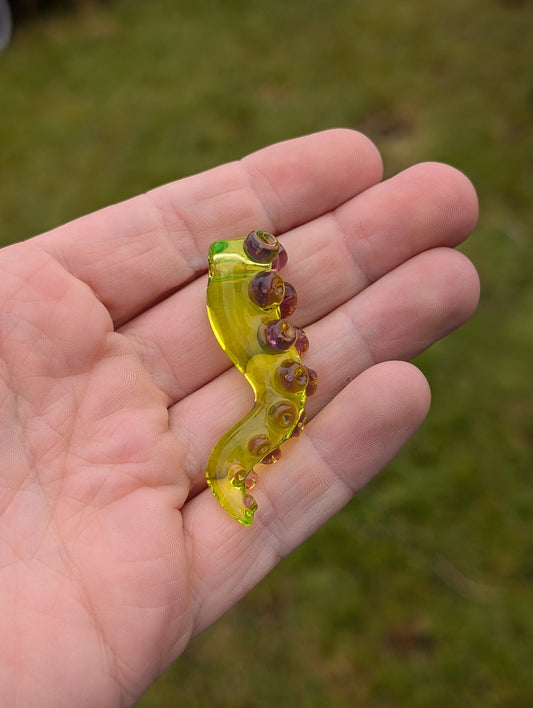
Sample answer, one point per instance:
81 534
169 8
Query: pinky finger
348 443
344 446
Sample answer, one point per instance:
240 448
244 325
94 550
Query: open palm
113 553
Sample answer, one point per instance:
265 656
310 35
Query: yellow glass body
236 321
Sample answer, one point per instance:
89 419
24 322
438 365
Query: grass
419 592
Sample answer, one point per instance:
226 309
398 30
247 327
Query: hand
113 553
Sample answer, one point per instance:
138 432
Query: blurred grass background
420 592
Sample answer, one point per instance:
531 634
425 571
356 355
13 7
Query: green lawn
420 592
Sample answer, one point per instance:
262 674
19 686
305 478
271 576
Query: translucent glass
247 323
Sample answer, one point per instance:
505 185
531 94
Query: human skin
113 553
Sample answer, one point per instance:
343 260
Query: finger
354 437
395 318
398 317
133 254
331 260
423 207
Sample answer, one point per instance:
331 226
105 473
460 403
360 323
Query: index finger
134 253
